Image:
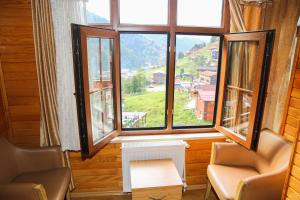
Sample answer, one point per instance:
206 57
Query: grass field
154 104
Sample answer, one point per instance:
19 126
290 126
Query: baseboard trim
196 187
118 193
97 194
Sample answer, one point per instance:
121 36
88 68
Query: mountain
184 44
94 19
142 50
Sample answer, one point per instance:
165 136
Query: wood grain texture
103 172
290 129
19 72
281 15
162 193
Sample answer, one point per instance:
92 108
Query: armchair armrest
38 159
231 154
262 187
24 191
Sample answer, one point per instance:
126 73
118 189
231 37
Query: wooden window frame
259 88
88 148
172 29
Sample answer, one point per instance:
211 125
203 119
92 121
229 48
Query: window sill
191 136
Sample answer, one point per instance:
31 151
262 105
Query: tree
180 55
135 85
214 39
181 72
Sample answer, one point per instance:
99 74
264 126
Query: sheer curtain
65 12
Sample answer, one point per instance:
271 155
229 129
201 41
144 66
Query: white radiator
174 150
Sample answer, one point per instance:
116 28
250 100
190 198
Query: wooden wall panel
291 128
281 15
18 70
103 172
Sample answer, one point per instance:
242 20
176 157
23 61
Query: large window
196 76
143 80
155 66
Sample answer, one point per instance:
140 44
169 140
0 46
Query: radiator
174 150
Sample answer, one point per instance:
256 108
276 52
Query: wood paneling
291 129
103 172
281 15
18 70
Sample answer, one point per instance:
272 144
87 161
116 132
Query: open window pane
196 69
244 114
245 66
202 13
106 53
93 71
242 64
241 76
101 101
230 109
98 11
154 12
108 110
93 53
143 80
96 116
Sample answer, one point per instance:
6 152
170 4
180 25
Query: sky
155 12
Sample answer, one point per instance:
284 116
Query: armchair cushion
225 179
37 159
24 191
222 155
55 181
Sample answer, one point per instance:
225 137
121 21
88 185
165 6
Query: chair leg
208 190
68 195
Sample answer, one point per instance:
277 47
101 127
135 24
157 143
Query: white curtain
65 12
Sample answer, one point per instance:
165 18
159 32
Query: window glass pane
93 51
106 59
154 12
241 70
96 116
143 79
101 95
196 71
108 111
244 114
98 11
230 109
203 13
242 64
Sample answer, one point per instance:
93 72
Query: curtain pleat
237 23
46 72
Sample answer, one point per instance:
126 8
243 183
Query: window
196 76
143 80
94 64
203 13
154 12
98 11
100 94
162 76
246 59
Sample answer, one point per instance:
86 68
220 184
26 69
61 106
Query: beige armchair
32 174
236 173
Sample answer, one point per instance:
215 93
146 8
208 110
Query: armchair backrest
8 166
273 152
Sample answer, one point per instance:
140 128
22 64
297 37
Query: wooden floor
189 195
